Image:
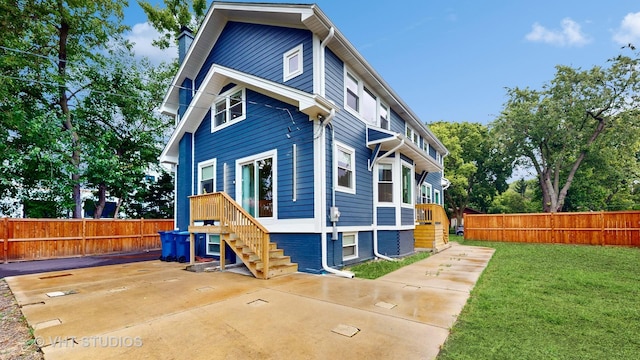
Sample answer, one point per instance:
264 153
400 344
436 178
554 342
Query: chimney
184 42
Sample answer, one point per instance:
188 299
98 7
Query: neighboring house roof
306 16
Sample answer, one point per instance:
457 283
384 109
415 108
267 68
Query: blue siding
304 250
258 49
432 152
185 95
388 243
265 128
434 179
365 246
334 251
378 135
356 209
406 242
397 124
406 216
184 174
386 216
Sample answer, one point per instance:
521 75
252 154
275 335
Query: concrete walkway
156 310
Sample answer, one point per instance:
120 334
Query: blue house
291 152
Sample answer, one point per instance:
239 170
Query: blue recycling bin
182 246
168 246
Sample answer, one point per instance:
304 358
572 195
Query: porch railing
221 207
428 214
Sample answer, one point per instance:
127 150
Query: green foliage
556 129
170 19
539 301
376 268
477 166
521 197
154 200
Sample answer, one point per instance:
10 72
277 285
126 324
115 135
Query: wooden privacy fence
589 228
37 239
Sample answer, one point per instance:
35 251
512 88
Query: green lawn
375 268
539 301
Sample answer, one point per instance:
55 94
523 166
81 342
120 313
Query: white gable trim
217 77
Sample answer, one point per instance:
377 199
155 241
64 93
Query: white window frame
287 73
354 245
404 164
387 118
428 193
361 90
437 199
393 180
209 242
352 152
203 164
226 97
273 154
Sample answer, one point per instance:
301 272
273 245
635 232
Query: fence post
553 230
602 239
142 234
84 237
5 240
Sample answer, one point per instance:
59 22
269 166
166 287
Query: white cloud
141 36
569 35
629 31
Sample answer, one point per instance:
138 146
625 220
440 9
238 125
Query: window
406 184
349 246
257 187
412 135
229 108
425 145
425 194
213 244
292 61
369 105
436 197
352 98
345 168
384 116
207 177
385 183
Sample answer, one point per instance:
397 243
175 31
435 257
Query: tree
476 166
170 19
554 129
58 40
154 200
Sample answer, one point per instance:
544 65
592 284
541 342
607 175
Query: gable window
385 183
352 98
349 246
229 108
406 184
207 177
384 116
345 168
292 61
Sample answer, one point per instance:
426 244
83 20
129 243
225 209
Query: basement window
213 244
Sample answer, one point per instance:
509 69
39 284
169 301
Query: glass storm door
257 187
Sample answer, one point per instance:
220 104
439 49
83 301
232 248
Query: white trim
412 185
207 243
317 63
436 194
352 152
376 182
287 74
319 167
203 164
273 154
355 245
294 180
226 96
225 177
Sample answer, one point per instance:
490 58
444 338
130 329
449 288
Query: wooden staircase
432 227
248 239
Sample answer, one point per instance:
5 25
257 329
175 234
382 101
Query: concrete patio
156 310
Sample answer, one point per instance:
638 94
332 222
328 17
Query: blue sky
452 60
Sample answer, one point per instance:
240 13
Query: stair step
282 269
274 261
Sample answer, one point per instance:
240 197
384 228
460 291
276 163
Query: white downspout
375 217
323 172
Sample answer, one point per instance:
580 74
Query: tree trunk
67 123
102 201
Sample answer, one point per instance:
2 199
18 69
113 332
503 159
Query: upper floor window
230 107
412 135
363 102
385 183
292 61
345 168
384 116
